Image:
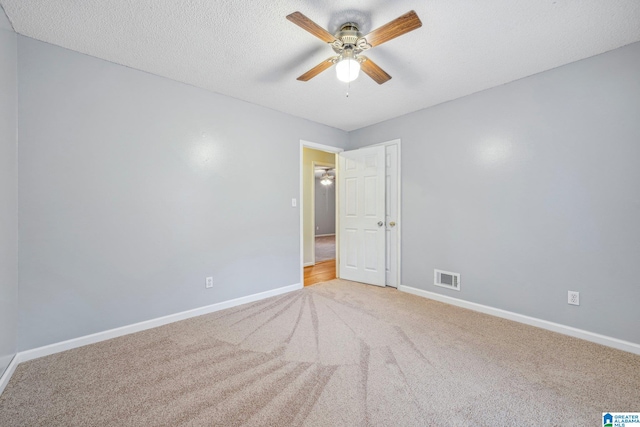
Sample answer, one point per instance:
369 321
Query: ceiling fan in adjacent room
349 43
326 175
326 179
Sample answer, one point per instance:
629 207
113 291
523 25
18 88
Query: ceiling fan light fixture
347 69
326 179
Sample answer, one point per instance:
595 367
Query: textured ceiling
248 50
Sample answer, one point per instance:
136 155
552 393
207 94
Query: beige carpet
333 354
325 248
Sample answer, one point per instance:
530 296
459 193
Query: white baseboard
308 264
325 235
46 350
6 376
532 321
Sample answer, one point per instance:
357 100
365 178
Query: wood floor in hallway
321 272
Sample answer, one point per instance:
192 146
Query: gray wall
8 192
325 208
134 188
529 190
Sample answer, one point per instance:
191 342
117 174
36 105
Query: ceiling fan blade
307 24
399 26
317 69
372 70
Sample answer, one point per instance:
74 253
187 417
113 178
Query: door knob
392 224
380 223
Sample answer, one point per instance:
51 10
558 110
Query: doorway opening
367 222
318 213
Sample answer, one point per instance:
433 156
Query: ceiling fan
349 43
326 179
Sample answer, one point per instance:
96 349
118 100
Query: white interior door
362 215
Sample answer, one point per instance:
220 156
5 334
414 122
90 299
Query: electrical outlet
574 298
209 283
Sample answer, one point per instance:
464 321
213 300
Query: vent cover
446 279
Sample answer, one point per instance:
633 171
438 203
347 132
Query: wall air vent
446 279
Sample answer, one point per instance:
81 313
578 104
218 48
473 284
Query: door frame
328 149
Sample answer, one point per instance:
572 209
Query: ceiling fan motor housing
348 36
